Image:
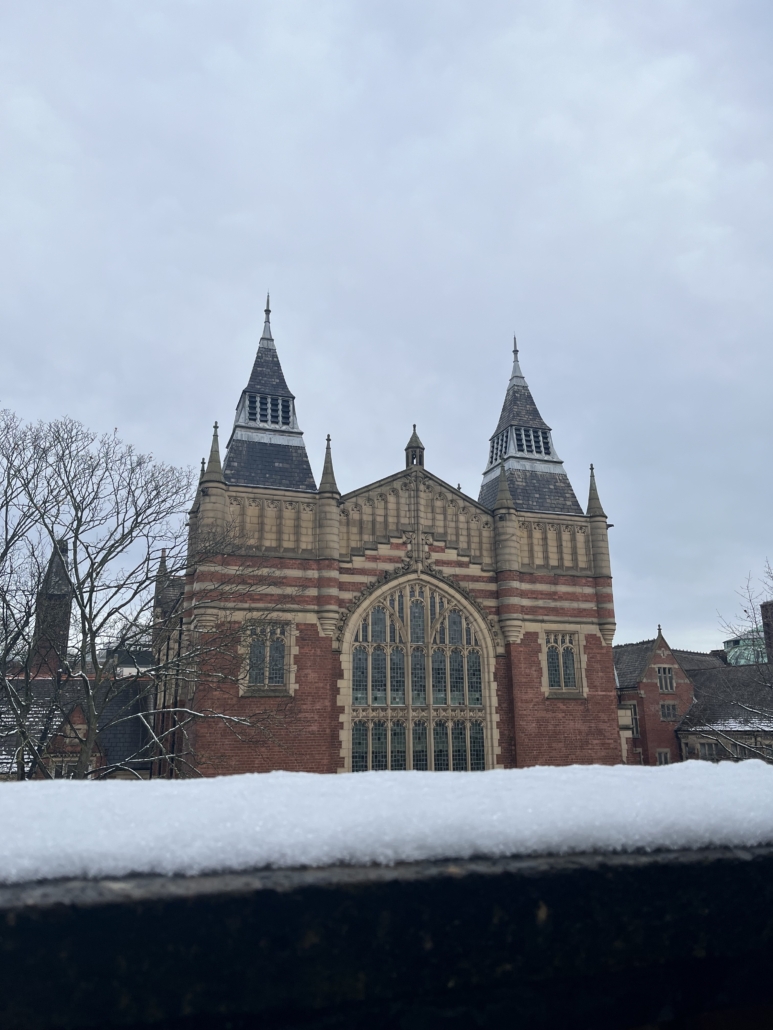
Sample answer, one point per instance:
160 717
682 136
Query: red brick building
403 624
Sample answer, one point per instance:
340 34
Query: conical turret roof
266 447
519 408
522 448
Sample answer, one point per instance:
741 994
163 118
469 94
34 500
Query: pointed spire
504 497
267 340
203 466
327 485
162 570
594 504
214 470
516 374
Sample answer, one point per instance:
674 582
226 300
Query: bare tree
733 709
90 517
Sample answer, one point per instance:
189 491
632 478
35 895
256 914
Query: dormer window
252 407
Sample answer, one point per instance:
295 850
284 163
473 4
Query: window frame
269 631
444 618
666 679
559 641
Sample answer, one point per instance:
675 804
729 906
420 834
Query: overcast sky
414 181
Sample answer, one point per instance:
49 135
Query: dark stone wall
674 940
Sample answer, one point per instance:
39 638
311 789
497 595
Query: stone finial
267 340
594 503
327 484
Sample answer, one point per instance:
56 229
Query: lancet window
267 654
418 675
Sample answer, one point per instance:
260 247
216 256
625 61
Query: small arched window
562 662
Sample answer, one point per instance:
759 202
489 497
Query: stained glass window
562 661
378 746
567 657
266 656
554 669
420 756
257 675
360 747
401 692
440 742
398 751
439 678
378 677
276 663
459 746
418 677
417 622
474 679
477 750
454 628
456 677
360 676
397 676
378 626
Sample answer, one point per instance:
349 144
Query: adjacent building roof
731 698
631 661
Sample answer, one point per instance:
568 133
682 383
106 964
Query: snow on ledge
230 823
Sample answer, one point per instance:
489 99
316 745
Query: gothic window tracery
417 685
562 662
267 656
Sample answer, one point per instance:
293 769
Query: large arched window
417 685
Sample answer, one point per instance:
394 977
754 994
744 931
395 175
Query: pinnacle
327 483
214 470
594 503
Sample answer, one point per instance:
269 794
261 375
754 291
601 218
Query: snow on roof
80 829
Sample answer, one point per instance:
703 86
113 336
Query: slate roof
534 491
120 738
731 698
519 409
694 660
259 463
630 662
267 376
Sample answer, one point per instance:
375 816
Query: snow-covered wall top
68 829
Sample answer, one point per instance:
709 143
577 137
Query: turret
522 444
266 445
507 560
414 450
